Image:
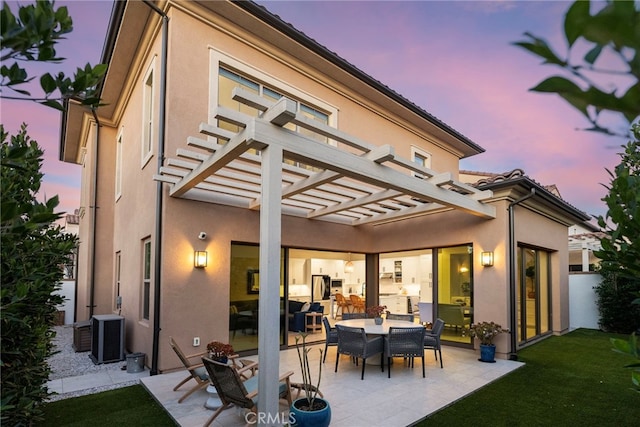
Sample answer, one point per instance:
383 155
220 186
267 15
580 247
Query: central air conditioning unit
107 338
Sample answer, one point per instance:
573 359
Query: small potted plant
311 410
486 332
219 351
376 311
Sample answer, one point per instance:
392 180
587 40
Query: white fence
583 311
68 292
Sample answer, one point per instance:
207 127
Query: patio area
401 400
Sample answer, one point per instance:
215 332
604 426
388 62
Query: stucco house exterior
228 132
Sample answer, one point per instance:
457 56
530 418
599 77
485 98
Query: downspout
513 321
94 216
159 194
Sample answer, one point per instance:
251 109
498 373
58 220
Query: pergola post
269 300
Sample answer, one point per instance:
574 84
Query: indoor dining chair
341 304
357 303
355 343
404 342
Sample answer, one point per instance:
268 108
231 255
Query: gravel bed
67 363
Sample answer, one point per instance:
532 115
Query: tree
33 250
32 36
614 30
621 248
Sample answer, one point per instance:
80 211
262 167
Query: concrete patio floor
401 400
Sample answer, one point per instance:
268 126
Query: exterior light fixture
200 259
487 259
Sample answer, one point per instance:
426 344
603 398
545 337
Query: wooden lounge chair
197 371
233 391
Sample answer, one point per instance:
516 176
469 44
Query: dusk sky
454 59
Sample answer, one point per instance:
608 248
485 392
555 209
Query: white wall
583 311
69 304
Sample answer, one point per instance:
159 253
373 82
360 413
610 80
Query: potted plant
311 410
219 351
376 311
486 332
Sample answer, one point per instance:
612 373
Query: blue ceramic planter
300 418
487 353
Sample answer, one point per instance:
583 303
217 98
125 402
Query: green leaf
557 84
47 83
541 48
53 104
575 20
593 54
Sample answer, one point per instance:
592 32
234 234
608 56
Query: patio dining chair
233 391
355 343
348 316
331 336
432 339
406 317
197 371
404 342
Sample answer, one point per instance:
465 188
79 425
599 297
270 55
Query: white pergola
358 184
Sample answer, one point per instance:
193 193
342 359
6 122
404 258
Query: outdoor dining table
370 328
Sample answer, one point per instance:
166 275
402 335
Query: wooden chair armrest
202 353
253 366
286 376
195 366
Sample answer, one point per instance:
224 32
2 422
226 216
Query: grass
127 406
571 379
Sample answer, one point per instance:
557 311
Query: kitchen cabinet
396 304
298 271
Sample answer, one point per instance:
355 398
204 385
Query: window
228 80
117 301
422 158
146 278
147 117
119 166
533 293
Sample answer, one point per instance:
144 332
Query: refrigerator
320 287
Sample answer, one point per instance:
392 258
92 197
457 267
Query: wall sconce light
487 259
200 259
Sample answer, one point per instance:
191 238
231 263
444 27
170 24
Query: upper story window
422 158
228 80
148 122
119 165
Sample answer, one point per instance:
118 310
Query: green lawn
128 406
575 379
